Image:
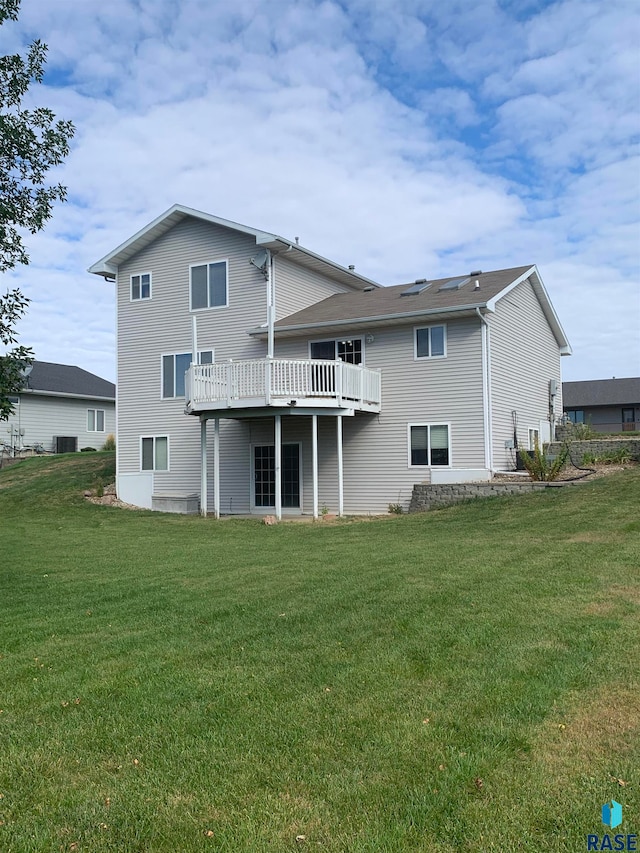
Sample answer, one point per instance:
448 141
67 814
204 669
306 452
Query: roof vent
352 267
419 285
475 272
368 288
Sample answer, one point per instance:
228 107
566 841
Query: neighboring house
325 389
608 405
61 408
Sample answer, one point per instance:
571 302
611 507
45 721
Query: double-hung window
174 367
95 420
209 285
576 416
429 444
430 342
141 286
154 453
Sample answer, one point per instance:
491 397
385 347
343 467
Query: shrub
608 457
110 443
396 509
580 432
543 468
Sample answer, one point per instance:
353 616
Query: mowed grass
462 680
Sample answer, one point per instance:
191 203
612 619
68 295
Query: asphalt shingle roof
67 379
601 392
388 301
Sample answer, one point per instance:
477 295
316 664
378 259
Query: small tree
13 362
540 467
31 143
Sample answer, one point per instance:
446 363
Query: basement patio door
264 476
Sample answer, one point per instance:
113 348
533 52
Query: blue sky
412 138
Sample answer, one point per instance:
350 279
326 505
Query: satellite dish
26 371
261 261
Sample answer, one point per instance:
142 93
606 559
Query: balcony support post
203 467
340 466
216 466
278 464
314 449
267 380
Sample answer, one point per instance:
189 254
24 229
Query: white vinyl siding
167 328
525 357
42 419
297 287
95 420
438 391
154 453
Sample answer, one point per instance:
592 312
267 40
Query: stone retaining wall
427 497
599 446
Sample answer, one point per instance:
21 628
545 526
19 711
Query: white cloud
411 138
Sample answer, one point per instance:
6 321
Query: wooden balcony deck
280 383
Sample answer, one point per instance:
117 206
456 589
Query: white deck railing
271 380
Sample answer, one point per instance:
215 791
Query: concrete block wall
599 446
426 497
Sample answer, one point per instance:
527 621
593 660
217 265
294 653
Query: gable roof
601 392
388 305
108 265
65 380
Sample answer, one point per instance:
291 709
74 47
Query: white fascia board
108 265
65 394
545 303
467 310
491 304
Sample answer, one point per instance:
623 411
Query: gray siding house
255 376
608 405
61 408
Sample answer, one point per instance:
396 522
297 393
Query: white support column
216 466
314 453
203 467
340 467
278 471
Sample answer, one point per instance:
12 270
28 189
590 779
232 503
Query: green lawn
462 680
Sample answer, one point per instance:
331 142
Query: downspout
486 393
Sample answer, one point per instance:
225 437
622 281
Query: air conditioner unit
66 443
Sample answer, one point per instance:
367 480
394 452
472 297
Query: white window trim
155 470
429 424
140 298
95 420
417 357
335 341
224 261
174 354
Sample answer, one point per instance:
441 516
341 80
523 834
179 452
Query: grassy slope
461 680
